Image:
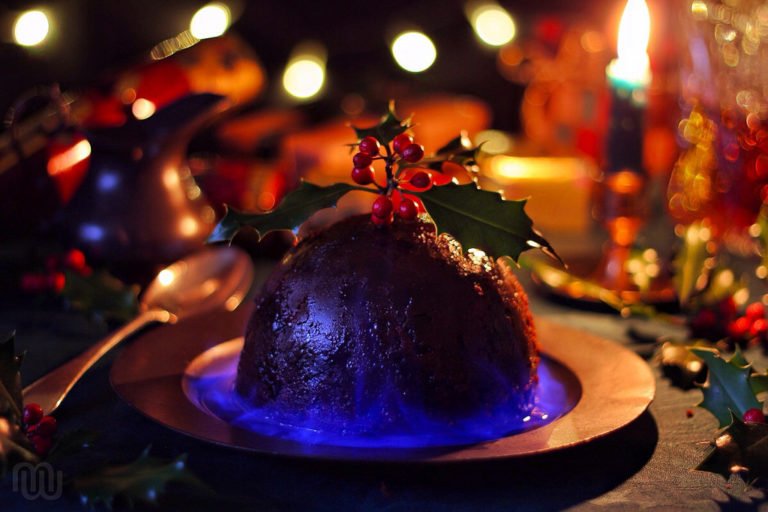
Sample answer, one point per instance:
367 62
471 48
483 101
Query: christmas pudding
362 327
385 327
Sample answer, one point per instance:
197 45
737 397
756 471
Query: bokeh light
304 75
68 159
31 28
414 51
211 20
492 24
142 109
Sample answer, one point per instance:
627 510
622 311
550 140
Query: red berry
755 311
33 283
382 207
739 328
754 416
407 209
759 328
369 146
362 176
421 180
46 427
704 320
56 281
75 260
361 160
41 444
381 221
32 414
727 308
400 142
413 153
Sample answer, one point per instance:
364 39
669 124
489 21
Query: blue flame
214 393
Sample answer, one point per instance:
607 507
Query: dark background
91 38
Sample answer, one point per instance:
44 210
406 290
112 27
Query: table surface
646 465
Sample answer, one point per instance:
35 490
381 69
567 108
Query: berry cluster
53 279
403 152
40 428
723 322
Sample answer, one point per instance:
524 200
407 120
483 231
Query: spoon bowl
217 277
202 282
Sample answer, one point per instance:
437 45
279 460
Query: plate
610 384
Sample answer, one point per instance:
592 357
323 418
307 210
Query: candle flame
634 32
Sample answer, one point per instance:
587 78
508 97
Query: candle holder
622 204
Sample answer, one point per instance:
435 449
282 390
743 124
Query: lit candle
628 77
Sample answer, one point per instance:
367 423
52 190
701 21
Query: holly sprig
728 389
731 395
140 482
409 185
14 445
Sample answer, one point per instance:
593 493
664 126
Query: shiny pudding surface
389 331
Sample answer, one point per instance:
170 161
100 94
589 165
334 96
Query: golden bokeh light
31 28
211 20
492 24
414 51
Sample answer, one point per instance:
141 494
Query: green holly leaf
762 221
102 293
742 448
71 443
738 358
483 220
759 383
389 127
690 266
728 388
458 150
721 284
139 482
293 210
10 376
14 446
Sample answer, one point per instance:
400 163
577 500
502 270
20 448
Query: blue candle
628 78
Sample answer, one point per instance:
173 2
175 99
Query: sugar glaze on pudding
393 332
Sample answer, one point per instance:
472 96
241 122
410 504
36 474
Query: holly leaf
101 292
759 383
293 210
727 390
690 264
459 150
741 448
721 284
14 446
139 482
483 220
389 127
762 221
10 377
70 443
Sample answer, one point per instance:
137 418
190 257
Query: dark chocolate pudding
367 329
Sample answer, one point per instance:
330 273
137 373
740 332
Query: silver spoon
216 277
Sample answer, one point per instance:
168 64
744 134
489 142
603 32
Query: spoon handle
49 390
